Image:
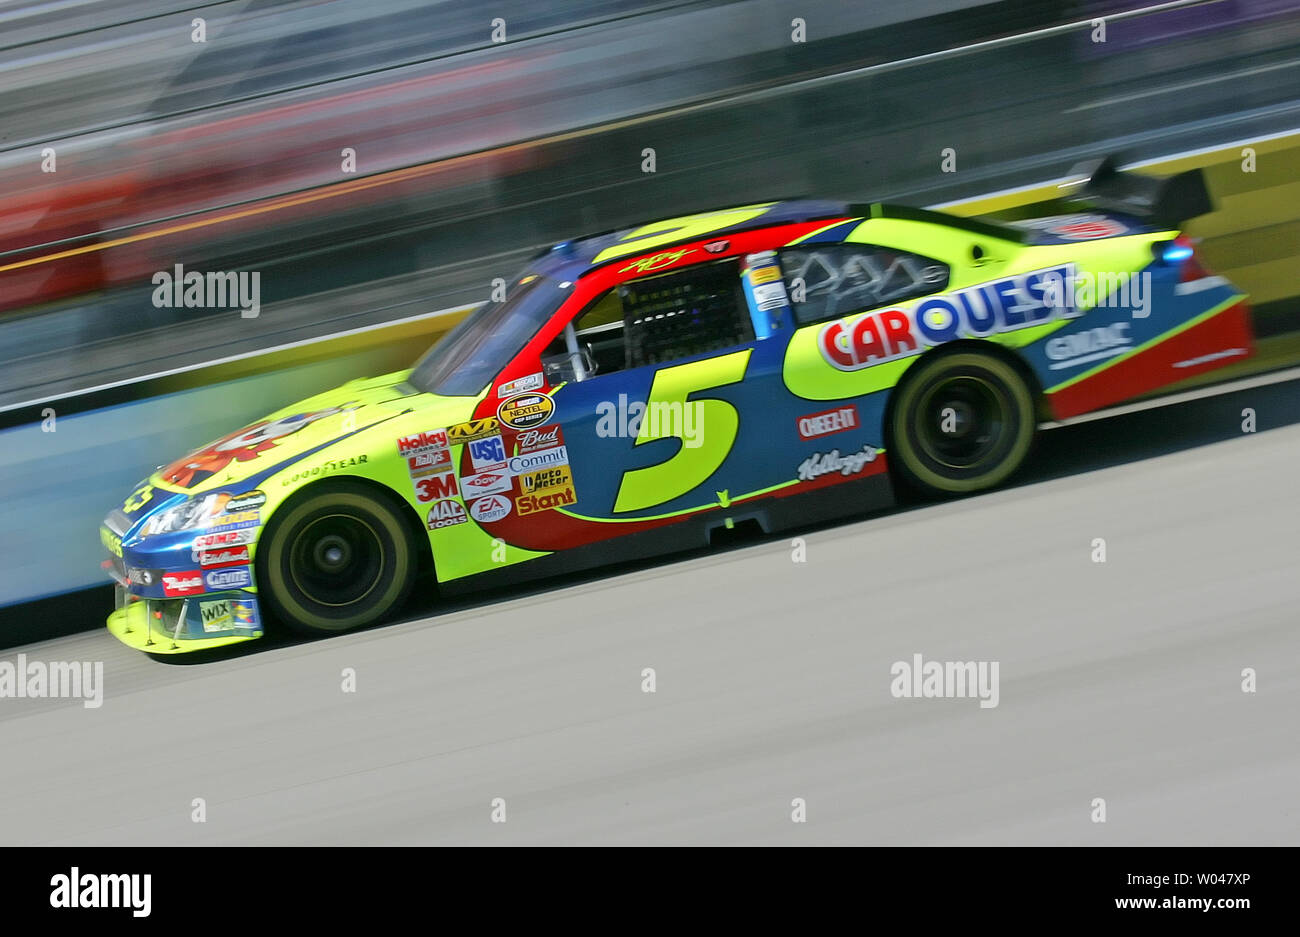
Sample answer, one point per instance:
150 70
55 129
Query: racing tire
960 422
337 558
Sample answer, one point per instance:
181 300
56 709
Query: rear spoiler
1165 203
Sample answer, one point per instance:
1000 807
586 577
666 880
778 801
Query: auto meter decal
524 411
243 446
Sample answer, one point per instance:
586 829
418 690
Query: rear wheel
337 558
961 422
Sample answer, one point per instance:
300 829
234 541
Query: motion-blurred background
376 161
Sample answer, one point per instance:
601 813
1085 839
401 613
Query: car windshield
468 357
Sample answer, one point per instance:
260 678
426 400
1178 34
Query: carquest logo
524 411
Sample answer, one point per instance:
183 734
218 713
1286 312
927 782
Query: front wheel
961 422
337 558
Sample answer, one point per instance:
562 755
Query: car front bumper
166 626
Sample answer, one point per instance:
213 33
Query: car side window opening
653 320
827 281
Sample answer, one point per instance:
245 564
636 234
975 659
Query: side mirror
568 366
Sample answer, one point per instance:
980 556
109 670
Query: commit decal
1004 305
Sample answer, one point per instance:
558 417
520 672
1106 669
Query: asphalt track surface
1119 680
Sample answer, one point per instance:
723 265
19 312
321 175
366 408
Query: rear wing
1165 203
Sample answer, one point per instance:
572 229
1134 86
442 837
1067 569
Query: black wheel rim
964 422
336 560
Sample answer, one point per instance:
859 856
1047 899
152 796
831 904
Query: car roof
569 260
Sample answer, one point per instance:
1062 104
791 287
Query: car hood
290 434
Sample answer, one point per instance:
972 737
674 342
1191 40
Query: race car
635 392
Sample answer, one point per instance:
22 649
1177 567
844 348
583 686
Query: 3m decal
689 467
436 487
540 481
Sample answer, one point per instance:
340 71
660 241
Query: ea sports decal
489 509
524 411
